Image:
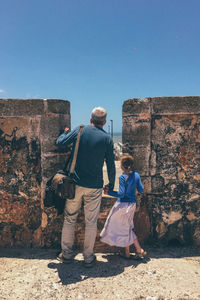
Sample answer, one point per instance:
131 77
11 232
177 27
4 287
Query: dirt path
169 273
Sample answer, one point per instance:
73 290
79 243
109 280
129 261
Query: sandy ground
167 273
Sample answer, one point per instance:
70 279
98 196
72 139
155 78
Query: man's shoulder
97 130
107 136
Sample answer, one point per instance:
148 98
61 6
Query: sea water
117 137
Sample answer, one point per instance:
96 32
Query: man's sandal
64 260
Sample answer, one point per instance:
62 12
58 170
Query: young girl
117 230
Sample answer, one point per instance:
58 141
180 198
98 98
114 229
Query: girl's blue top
127 188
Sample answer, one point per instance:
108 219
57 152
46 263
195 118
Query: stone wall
162 134
164 137
28 156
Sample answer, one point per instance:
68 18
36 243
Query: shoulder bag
63 182
61 186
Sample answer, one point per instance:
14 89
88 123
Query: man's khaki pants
92 201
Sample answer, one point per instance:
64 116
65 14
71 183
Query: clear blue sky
99 52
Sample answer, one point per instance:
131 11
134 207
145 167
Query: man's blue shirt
96 146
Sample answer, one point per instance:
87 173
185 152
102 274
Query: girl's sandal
140 254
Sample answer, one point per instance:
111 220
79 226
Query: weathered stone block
24 147
146 181
196 232
51 232
171 161
52 163
142 224
141 158
136 107
157 184
136 130
21 107
51 127
175 105
58 106
20 179
20 157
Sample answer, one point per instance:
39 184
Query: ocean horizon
117 137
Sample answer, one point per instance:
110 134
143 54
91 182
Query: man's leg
92 202
70 215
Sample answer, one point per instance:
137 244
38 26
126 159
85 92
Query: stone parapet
163 135
28 157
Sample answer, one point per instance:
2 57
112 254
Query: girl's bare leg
137 245
127 251
138 248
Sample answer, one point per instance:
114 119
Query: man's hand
66 129
105 189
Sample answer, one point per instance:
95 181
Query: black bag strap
72 167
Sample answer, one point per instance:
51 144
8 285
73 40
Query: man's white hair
99 115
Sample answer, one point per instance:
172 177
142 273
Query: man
95 146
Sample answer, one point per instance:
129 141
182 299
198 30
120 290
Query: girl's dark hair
127 161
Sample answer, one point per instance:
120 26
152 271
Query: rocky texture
164 137
28 156
167 274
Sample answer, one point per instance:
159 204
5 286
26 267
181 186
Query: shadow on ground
107 265
111 266
153 252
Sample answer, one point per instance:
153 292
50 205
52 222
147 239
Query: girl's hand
66 129
105 189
